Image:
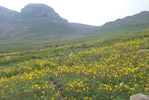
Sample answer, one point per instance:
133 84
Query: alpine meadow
45 57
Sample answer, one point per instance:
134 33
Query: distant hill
128 24
39 22
35 22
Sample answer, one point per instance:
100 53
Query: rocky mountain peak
40 12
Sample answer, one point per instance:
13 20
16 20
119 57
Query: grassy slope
94 71
36 31
125 27
21 46
45 31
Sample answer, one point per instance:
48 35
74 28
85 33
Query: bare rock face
7 14
139 96
40 12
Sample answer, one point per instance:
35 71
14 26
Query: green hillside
107 68
44 57
128 24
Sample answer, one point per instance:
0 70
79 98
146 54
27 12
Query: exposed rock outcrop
40 12
139 96
7 14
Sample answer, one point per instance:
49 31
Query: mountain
35 22
40 12
39 22
128 24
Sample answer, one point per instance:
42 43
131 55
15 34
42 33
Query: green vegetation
105 68
44 57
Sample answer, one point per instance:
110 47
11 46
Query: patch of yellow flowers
99 73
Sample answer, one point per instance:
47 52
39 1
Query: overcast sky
93 12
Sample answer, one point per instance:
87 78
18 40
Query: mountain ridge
35 22
39 22
127 24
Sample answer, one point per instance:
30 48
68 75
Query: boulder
143 50
61 54
37 49
139 96
70 53
8 56
48 56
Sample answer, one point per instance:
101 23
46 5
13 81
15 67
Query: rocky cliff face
32 13
7 14
40 12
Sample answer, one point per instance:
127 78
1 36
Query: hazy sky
93 12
